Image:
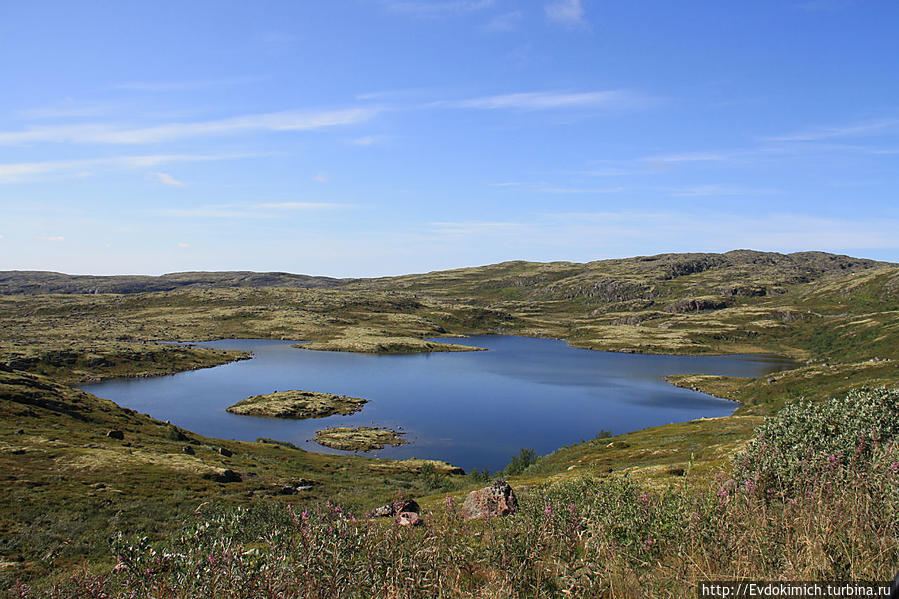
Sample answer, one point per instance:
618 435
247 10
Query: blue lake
473 409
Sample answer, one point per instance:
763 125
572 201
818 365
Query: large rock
409 519
225 476
496 499
115 434
397 507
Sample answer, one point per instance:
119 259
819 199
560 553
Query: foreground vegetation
785 515
66 487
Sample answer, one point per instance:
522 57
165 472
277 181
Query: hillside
33 282
66 486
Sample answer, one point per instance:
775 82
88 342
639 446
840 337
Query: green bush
803 438
521 462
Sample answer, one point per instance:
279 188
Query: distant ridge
38 282
548 277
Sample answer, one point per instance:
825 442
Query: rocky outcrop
409 519
497 499
225 476
696 304
115 434
400 506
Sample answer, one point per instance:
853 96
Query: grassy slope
66 487
836 312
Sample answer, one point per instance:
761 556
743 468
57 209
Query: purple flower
548 511
722 493
894 467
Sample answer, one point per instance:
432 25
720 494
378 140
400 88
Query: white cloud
689 157
435 8
719 190
263 210
301 205
477 227
183 245
368 140
555 189
53 238
167 179
628 233
164 86
509 21
31 171
853 130
110 134
566 12
544 100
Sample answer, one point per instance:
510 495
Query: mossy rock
298 405
361 438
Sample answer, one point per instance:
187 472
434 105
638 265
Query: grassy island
360 438
298 405
378 342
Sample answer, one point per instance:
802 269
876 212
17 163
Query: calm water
473 409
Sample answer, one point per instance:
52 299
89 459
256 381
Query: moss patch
360 438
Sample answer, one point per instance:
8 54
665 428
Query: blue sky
377 137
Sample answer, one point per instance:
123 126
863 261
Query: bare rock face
397 507
409 519
497 499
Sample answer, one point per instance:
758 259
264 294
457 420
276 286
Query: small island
361 438
298 405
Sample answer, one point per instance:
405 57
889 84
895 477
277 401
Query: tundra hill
63 479
738 273
33 282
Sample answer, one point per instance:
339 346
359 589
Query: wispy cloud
167 179
183 245
554 189
110 134
53 238
566 12
689 157
435 8
546 100
31 171
477 227
719 190
854 130
508 21
368 140
302 205
164 86
259 210
620 233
